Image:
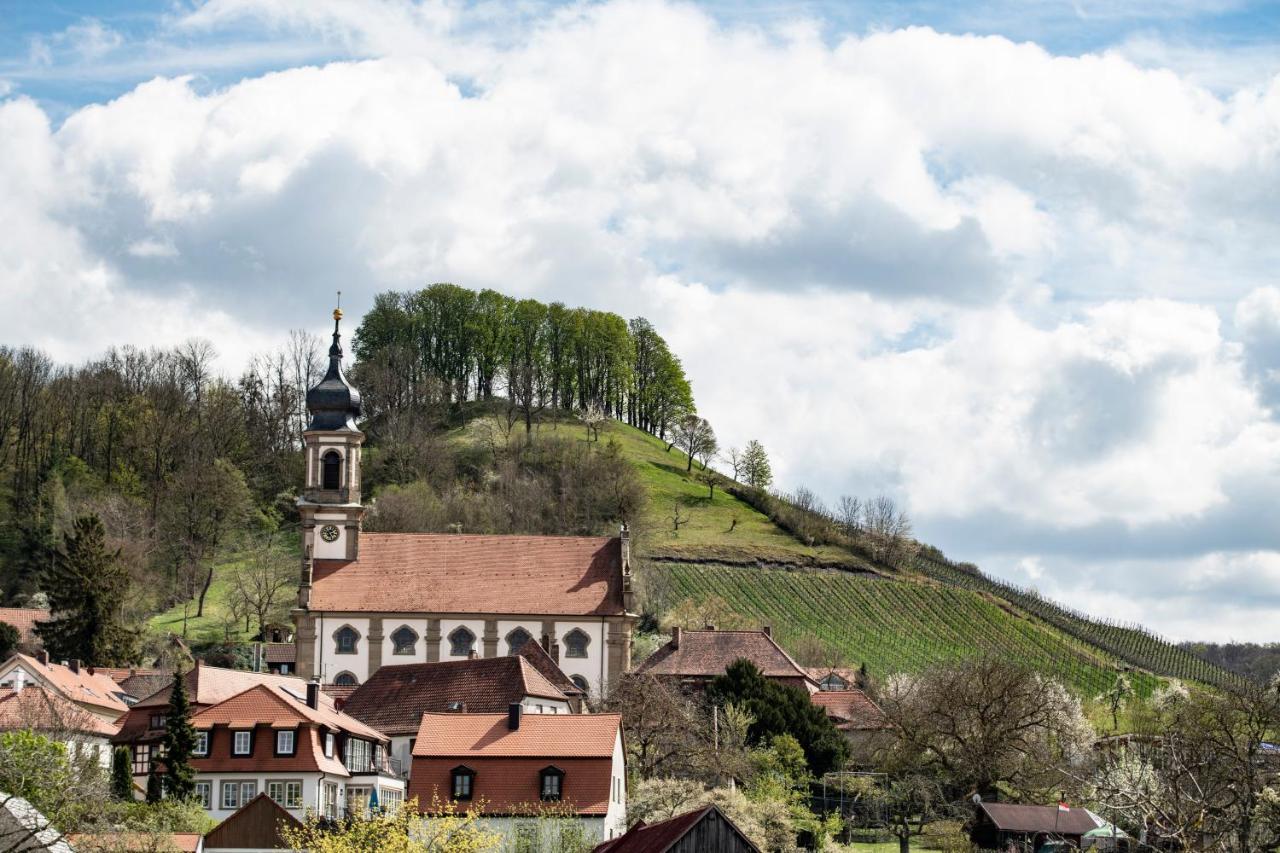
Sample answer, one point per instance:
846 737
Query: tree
781 709
710 478
39 769
179 743
87 589
442 829
9 639
694 436
658 725
1116 697
887 526
593 417
734 458
262 580
155 788
755 465
121 774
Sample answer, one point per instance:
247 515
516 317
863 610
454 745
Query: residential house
693 658
548 663
517 765
395 698
855 714
369 599
138 683
835 678
704 830
25 619
259 825
38 708
83 686
1010 826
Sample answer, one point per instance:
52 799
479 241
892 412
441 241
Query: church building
373 599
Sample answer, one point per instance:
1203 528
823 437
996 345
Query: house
517 765
548 663
693 658
83 686
43 710
704 830
855 714
369 599
138 683
835 678
25 619
1010 826
395 698
280 658
258 825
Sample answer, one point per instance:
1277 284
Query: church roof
463 573
334 403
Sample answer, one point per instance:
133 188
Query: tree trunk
204 590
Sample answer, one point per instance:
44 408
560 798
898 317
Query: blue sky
1014 264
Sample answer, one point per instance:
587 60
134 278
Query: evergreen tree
155 791
87 586
179 743
755 466
9 640
121 774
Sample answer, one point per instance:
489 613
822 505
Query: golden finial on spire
337 312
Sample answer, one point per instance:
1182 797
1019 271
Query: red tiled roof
394 698
851 709
280 707
280 652
1012 817
457 573
539 736
708 653
24 619
533 651
138 683
36 707
660 837
86 687
338 692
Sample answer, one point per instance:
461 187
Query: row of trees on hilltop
448 344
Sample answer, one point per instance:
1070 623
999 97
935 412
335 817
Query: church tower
330 503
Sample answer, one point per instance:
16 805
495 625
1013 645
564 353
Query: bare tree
734 458
677 518
849 516
887 527
593 417
695 437
262 581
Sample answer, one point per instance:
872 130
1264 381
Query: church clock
329 533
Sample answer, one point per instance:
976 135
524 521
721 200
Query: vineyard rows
896 626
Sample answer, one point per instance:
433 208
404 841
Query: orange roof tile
86 687
277 705
539 736
851 709
36 707
24 619
709 653
457 573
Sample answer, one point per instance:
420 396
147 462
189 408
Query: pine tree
87 586
155 792
755 465
179 743
121 774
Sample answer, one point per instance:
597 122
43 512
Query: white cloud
960 269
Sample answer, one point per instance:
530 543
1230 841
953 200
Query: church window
575 643
345 639
461 642
581 683
331 470
404 640
345 679
516 639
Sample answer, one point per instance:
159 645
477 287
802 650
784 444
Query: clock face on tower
329 533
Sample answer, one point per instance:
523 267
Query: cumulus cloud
964 270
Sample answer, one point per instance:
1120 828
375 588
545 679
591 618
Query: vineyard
891 625
1133 644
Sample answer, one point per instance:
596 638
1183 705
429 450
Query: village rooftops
38 708
537 656
1012 817
851 710
136 682
81 684
394 698
703 655
24 619
461 573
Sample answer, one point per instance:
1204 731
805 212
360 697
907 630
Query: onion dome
334 404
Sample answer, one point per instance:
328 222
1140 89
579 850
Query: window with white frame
204 793
463 781
201 747
392 799
236 794
287 792
285 742
552 783
141 759
329 742
242 743
359 755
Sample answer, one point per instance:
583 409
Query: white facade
227 792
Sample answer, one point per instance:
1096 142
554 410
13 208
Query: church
367 600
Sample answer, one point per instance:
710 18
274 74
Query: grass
212 626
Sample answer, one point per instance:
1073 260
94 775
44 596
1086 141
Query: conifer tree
121 774
155 791
87 587
179 743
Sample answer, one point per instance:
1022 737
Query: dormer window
404 641
242 743
575 643
201 747
461 642
516 640
158 721
463 782
345 640
286 742
552 784
331 470
833 682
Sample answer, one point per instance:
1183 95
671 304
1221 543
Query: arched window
404 641
345 639
581 683
463 782
331 470
552 783
575 643
461 642
345 679
516 639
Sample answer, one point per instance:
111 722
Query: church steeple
334 403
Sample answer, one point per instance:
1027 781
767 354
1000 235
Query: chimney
338 703
75 665
42 657
514 710
709 627
675 637
768 631
313 693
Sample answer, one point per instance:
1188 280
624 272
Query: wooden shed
257 826
704 830
1011 826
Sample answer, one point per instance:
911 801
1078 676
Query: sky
1015 264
